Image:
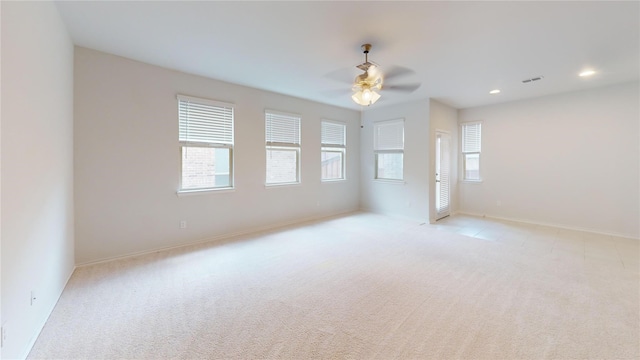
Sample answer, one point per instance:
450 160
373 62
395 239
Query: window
333 151
388 146
283 148
206 144
471 139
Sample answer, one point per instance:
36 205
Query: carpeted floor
362 286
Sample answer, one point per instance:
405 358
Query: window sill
284 185
471 181
390 181
181 193
333 181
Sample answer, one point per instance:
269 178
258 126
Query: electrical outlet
183 224
499 203
33 297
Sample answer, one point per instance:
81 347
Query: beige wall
127 161
37 168
569 160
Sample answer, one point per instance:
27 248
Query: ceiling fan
367 85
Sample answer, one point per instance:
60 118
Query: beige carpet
362 286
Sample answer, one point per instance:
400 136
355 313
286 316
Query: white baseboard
248 231
560 226
36 334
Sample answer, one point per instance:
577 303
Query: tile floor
590 249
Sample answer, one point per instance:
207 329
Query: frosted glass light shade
365 97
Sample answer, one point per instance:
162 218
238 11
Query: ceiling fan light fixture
365 97
367 85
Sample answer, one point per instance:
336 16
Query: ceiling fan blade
397 71
344 75
337 92
406 88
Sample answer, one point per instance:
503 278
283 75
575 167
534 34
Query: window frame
182 144
282 148
326 146
477 152
393 148
376 161
289 146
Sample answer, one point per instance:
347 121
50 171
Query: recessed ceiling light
493 92
587 73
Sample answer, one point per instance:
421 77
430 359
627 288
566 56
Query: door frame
437 150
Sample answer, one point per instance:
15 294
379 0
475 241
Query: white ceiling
458 50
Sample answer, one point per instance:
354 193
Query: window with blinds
471 147
333 152
282 135
205 134
388 148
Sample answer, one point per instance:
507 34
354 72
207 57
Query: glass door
443 186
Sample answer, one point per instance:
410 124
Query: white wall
570 160
37 168
443 118
127 161
409 199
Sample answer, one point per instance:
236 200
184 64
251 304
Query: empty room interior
294 180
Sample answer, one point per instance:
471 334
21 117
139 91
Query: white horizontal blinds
282 129
333 134
471 135
282 135
204 121
389 135
443 203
